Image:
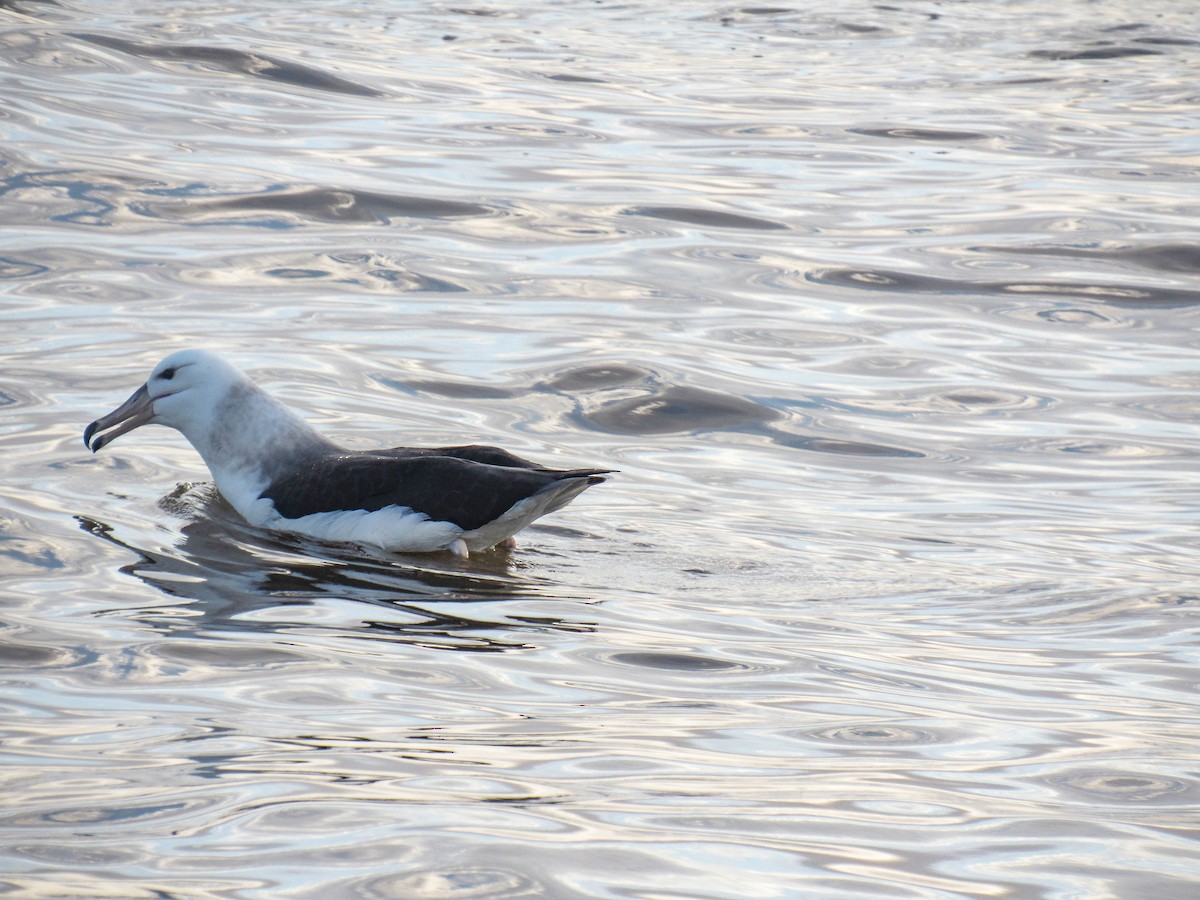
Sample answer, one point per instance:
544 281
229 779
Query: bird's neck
252 437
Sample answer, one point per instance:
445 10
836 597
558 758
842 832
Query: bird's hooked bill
133 413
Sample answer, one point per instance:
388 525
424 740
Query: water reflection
885 311
232 571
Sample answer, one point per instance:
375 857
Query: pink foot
459 549
509 543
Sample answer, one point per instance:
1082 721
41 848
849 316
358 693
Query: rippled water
887 313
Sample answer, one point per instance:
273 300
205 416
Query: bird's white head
185 391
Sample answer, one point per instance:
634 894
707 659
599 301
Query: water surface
887 313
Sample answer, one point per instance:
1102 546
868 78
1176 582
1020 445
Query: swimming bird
279 473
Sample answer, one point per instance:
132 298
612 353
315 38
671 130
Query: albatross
279 473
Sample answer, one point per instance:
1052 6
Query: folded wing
469 486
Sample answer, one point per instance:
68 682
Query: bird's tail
570 485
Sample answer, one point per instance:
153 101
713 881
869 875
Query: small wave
322 204
678 409
239 62
705 218
1124 295
1093 53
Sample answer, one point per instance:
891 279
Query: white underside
391 528
523 513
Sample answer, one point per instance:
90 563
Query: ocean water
887 313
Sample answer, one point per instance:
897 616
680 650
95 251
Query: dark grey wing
492 456
446 488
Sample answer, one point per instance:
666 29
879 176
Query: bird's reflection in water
232 570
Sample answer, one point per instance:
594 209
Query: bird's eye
167 374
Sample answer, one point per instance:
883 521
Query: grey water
888 314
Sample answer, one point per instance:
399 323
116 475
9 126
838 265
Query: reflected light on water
886 314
